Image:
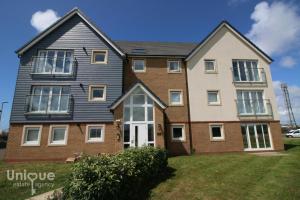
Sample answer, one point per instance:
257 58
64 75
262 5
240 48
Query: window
138 66
95 133
178 133
247 71
31 135
175 97
216 132
174 66
213 98
53 62
256 136
138 107
210 65
250 102
58 135
99 57
97 93
49 99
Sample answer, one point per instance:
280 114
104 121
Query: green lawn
224 176
234 176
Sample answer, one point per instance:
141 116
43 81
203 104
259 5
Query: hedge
120 176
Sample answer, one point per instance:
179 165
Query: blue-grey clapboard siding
73 34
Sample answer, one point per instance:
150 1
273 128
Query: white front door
138 135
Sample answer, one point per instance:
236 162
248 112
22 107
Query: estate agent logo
24 179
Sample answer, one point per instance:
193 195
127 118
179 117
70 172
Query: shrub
119 176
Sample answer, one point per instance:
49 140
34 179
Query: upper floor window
250 102
49 99
99 57
175 97
174 66
247 71
139 65
210 65
213 97
53 62
97 93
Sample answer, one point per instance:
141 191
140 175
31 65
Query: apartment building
78 91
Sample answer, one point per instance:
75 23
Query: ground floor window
256 136
58 135
178 133
31 135
216 132
94 133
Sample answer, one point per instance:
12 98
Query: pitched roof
156 48
140 84
58 23
237 33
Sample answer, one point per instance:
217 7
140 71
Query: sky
274 26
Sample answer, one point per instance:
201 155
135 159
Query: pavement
269 154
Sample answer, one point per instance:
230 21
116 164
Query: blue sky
272 25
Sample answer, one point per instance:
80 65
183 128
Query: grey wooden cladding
74 35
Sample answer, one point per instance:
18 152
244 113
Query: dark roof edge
70 14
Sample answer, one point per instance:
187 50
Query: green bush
120 176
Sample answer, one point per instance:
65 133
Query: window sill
170 72
55 145
217 139
30 145
214 104
211 72
94 141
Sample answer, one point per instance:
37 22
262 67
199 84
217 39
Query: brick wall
233 137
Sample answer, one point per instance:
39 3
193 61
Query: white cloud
294 93
276 27
41 20
288 62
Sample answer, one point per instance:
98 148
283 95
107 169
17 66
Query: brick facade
233 141
159 81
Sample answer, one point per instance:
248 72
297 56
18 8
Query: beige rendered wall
223 47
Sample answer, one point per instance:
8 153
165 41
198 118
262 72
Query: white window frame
133 65
215 65
91 93
181 97
50 99
174 71
218 97
246 70
256 138
212 138
94 52
50 136
183 137
55 59
97 140
24 134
